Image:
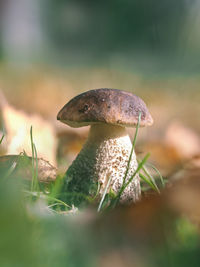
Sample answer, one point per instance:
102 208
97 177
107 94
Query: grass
35 191
103 196
150 181
50 193
158 173
32 239
34 182
1 140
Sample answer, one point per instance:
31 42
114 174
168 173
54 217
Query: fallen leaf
17 125
21 166
183 139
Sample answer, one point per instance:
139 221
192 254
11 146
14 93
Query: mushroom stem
104 155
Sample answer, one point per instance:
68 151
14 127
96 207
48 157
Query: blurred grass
28 239
31 236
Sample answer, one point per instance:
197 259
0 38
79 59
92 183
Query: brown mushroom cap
104 105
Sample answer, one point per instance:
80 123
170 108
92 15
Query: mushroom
105 155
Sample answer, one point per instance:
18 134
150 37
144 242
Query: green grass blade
33 156
97 192
140 165
48 198
34 169
151 179
10 170
159 174
55 188
1 140
132 149
104 194
147 181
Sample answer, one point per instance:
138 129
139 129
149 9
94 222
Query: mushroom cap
111 106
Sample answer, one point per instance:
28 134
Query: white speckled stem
104 155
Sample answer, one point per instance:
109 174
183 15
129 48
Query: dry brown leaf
21 166
183 139
164 157
184 193
17 125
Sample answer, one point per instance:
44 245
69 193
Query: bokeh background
52 50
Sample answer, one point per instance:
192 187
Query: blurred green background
150 36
